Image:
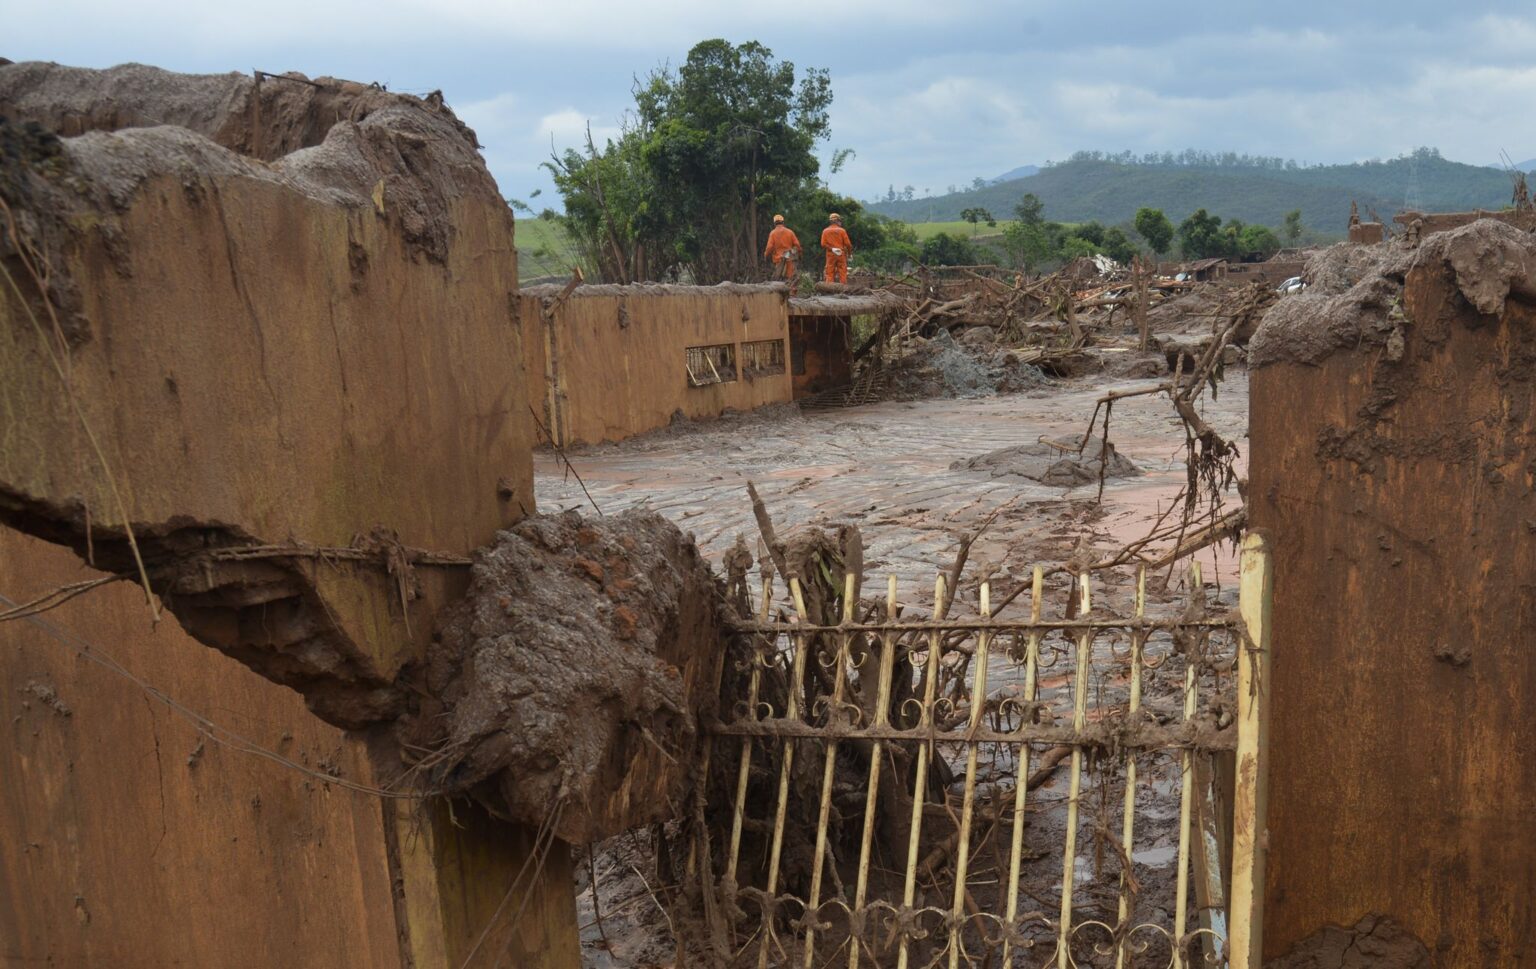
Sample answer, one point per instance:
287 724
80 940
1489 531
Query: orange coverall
836 237
782 241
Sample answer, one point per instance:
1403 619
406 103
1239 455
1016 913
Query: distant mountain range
1023 171
1111 189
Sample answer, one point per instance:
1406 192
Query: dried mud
559 680
1375 942
1354 296
1058 463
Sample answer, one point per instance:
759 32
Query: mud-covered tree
711 151
1153 226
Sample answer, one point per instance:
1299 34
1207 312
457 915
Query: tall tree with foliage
713 149
1293 227
944 249
1200 236
1030 210
1153 226
1026 244
976 216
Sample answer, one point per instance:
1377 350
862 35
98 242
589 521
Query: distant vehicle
1293 285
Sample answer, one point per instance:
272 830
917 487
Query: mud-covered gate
888 797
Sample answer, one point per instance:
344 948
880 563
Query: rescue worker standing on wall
834 239
783 250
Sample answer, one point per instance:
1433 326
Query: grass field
927 230
543 249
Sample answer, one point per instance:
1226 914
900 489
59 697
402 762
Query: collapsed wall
259 351
292 376
1393 464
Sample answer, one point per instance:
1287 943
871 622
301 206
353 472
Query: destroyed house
607 362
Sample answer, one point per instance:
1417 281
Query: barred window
711 365
760 358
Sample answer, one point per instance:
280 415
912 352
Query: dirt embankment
571 677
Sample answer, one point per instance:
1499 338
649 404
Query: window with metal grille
711 365
760 358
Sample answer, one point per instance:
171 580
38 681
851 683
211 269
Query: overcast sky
927 93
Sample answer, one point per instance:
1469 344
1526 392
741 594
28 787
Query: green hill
1253 190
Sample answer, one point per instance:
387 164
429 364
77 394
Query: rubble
572 676
1061 463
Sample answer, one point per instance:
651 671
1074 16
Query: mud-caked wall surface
269 323
1393 463
234 353
609 362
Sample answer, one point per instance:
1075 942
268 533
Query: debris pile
571 677
1063 463
944 367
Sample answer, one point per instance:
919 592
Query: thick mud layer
1355 294
570 679
1375 942
943 368
1055 463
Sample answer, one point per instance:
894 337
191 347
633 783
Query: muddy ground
915 476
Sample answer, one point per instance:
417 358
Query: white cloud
568 128
583 25
927 93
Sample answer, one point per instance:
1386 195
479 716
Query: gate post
1250 800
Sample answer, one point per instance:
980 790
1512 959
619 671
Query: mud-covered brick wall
1393 464
298 352
135 840
619 360
288 323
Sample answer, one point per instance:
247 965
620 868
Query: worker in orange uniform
834 239
783 250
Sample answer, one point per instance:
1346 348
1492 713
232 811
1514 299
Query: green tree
714 148
1026 244
1091 232
1030 210
1259 240
975 216
1153 226
1076 247
1293 226
944 249
1117 246
1200 236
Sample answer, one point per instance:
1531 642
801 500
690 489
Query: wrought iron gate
1156 722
